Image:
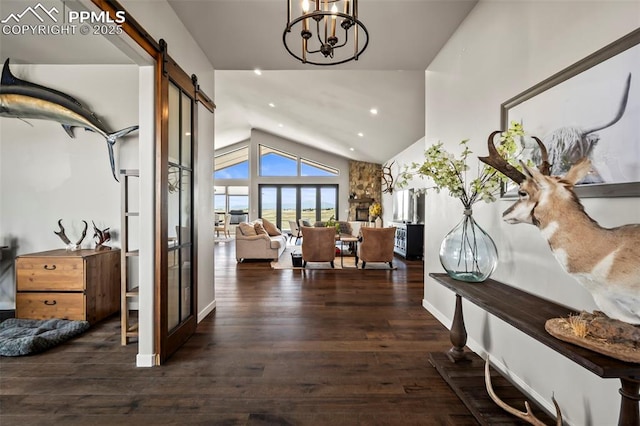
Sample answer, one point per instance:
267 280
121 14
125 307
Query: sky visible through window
276 165
307 170
238 171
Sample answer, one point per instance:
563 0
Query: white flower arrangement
450 173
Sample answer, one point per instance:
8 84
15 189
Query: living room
499 50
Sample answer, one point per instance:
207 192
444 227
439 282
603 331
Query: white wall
501 49
158 18
45 175
413 153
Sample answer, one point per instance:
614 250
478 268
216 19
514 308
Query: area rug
347 262
223 240
26 336
284 261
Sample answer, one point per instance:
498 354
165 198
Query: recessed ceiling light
361 134
351 149
280 125
257 71
374 111
272 105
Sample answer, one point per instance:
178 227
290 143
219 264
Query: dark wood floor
283 347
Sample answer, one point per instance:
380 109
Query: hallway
287 347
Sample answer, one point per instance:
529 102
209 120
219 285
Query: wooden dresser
75 285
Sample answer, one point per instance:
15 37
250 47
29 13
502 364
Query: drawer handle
46 302
50 268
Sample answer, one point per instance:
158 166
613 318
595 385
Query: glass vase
468 253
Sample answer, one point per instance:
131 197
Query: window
232 165
328 203
282 203
308 201
269 197
230 199
238 198
277 163
274 162
311 168
220 198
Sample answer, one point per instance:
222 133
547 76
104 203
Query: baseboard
7 313
145 360
206 311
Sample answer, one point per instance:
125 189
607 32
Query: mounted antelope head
605 261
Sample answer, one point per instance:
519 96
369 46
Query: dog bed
27 336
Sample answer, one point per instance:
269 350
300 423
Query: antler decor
63 236
526 416
102 235
387 178
498 162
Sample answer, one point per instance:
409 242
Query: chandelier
329 33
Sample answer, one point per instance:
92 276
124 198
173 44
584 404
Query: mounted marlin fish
22 99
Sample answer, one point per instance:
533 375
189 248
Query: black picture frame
594 66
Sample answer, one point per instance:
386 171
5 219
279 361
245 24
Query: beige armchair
318 245
376 245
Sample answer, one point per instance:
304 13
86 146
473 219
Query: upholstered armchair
318 245
376 245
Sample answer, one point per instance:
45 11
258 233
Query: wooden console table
528 313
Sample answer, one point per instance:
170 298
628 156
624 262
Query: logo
40 20
17 17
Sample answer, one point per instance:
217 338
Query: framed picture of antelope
590 109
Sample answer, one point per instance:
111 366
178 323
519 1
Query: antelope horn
84 232
496 161
544 167
526 416
103 235
61 233
96 231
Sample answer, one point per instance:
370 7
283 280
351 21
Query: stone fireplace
365 187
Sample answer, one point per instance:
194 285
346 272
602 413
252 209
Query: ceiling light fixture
272 105
323 32
361 134
373 111
257 71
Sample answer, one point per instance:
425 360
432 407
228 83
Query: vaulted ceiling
324 107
